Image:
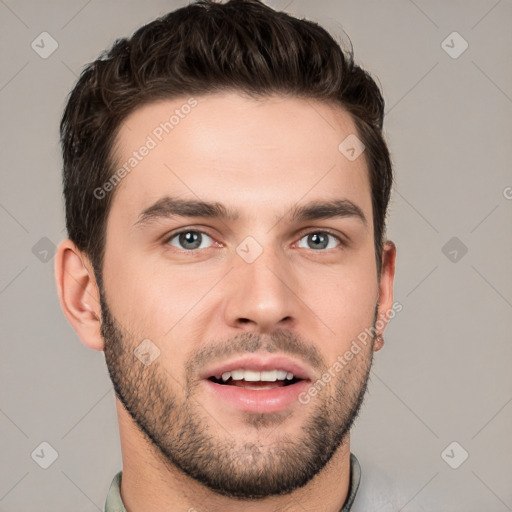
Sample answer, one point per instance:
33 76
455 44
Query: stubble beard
184 436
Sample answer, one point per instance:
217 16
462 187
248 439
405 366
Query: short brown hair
205 47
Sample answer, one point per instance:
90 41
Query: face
239 267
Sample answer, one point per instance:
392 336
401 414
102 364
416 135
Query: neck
149 485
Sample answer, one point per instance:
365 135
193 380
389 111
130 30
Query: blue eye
318 240
189 240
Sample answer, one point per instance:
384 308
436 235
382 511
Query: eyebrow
169 207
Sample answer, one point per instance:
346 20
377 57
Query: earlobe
385 292
378 343
78 293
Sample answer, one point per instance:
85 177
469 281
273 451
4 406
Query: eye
318 240
189 240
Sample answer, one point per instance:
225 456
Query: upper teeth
252 376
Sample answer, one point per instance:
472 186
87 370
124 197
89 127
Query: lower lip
258 401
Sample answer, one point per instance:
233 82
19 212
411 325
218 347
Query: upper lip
258 364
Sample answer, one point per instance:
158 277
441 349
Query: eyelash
167 239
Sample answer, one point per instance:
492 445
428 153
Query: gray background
444 374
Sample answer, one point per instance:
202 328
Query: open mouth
262 389
255 380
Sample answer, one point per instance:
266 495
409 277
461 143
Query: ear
385 291
78 293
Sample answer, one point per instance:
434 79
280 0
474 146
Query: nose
262 295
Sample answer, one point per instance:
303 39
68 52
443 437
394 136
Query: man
226 185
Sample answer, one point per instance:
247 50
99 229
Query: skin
260 157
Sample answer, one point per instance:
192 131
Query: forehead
253 155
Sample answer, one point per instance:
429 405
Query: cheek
345 302
157 301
